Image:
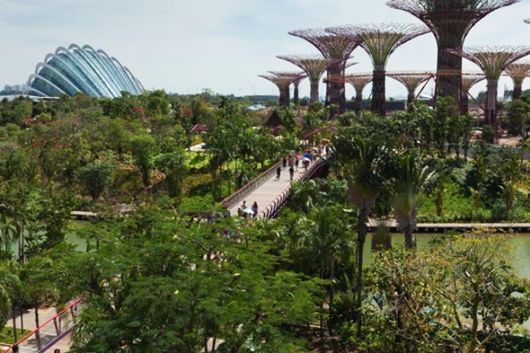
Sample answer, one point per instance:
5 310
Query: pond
518 243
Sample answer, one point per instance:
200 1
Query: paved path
267 193
48 333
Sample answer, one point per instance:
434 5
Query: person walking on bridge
278 172
291 173
255 209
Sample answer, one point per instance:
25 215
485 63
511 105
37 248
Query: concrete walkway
47 334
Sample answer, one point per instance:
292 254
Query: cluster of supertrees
449 20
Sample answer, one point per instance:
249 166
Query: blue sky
186 46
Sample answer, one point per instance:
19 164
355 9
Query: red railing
49 333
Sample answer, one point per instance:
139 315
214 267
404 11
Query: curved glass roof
85 70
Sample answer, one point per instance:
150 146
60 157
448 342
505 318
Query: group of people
246 212
293 162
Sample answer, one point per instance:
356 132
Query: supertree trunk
327 100
517 89
449 68
358 102
314 92
464 103
378 91
336 94
284 97
410 101
491 102
296 94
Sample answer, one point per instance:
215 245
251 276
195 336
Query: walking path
272 193
54 330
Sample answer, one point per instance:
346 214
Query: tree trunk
361 239
464 103
314 92
337 88
296 94
358 103
378 91
517 89
284 97
410 238
410 101
37 324
449 72
491 102
14 318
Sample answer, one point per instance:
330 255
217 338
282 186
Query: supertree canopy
334 47
313 66
283 82
493 61
297 78
411 80
380 41
450 21
469 79
518 72
359 82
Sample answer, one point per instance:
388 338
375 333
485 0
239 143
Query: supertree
283 82
380 41
313 66
359 82
493 61
469 79
333 47
450 21
297 78
411 80
518 72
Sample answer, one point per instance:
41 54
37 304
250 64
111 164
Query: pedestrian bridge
270 193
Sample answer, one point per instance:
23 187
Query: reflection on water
518 243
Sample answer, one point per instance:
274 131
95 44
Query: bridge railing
251 186
272 210
46 336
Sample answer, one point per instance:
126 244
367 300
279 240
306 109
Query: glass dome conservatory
82 70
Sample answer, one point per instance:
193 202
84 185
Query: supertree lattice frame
313 66
411 81
493 61
380 41
518 73
333 47
469 79
450 21
297 78
359 83
283 82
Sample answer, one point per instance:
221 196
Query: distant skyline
222 45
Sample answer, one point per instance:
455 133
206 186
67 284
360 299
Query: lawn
6 335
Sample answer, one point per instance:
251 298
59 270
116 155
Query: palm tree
410 178
362 158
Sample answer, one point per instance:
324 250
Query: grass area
6 335
461 208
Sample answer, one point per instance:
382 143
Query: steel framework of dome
450 21
334 47
380 41
85 70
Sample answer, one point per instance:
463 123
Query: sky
187 46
